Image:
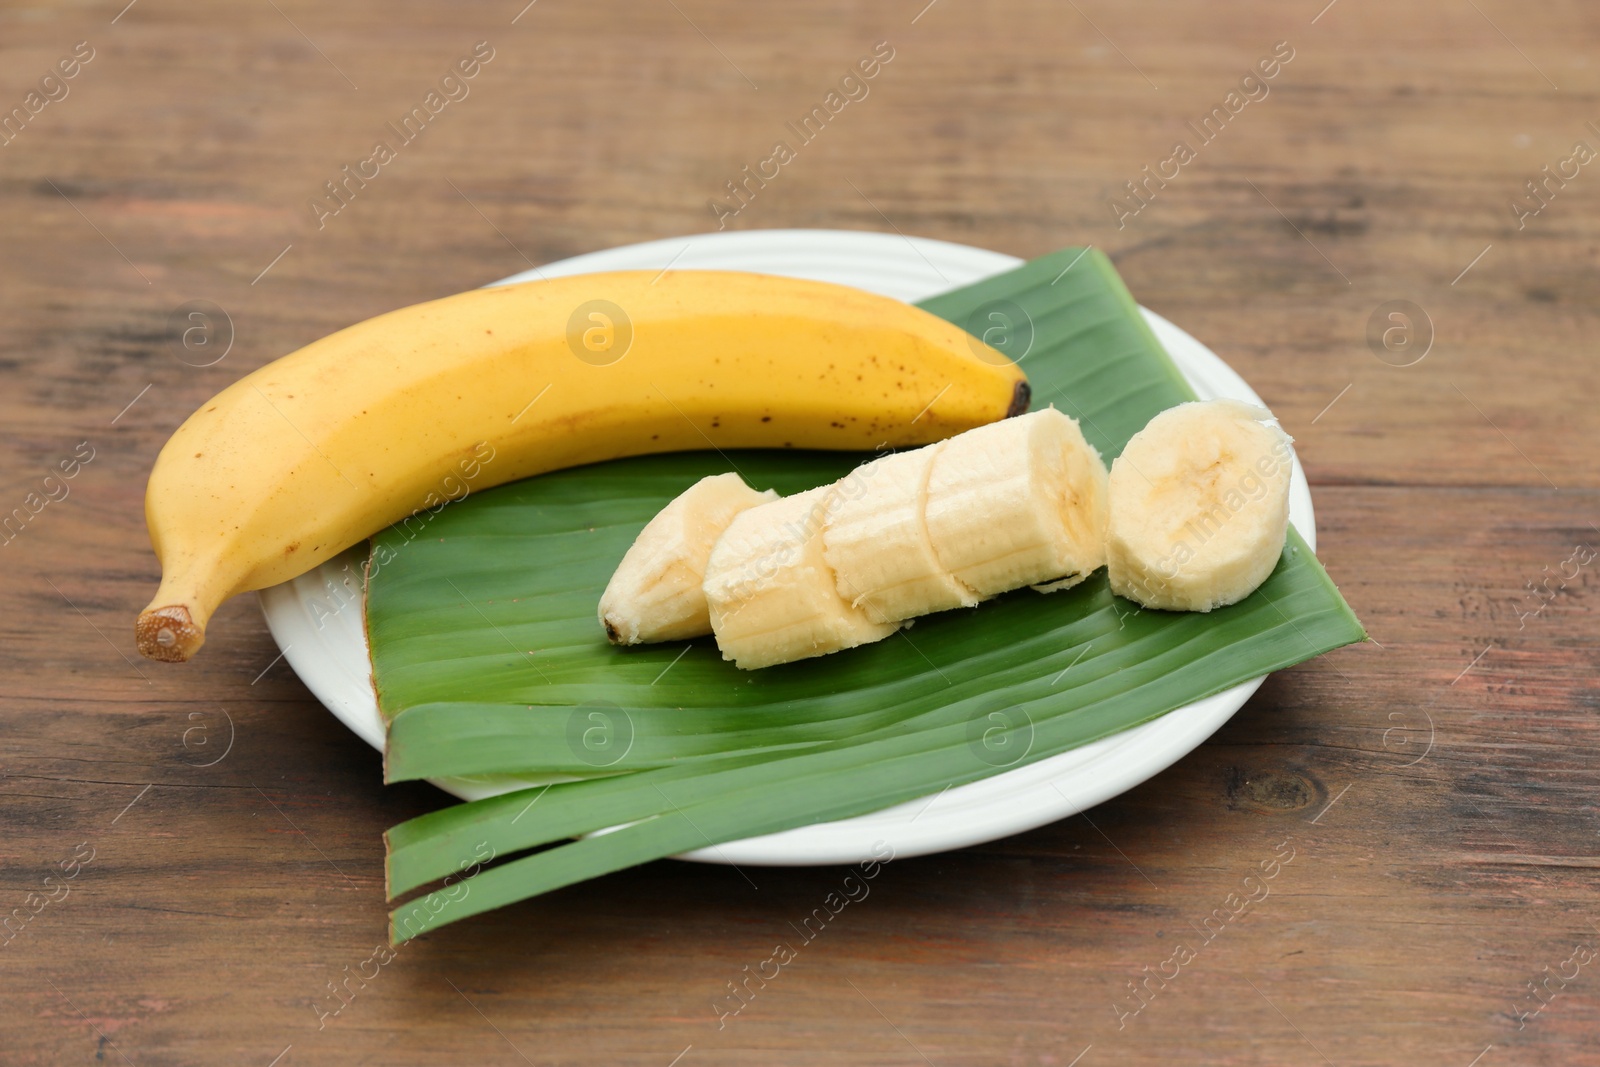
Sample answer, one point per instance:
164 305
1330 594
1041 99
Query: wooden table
1436 787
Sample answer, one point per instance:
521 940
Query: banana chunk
656 594
771 593
1018 502
1199 506
877 543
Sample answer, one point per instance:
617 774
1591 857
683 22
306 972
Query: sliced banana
656 593
1199 506
877 543
1018 502
1192 516
771 593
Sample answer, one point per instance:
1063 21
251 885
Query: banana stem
170 633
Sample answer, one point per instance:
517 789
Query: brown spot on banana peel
168 634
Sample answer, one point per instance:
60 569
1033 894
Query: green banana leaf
488 658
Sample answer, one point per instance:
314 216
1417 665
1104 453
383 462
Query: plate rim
1003 804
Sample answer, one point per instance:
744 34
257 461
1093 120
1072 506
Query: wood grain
1437 790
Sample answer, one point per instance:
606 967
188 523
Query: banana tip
169 634
1021 397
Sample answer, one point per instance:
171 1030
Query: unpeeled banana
314 452
1199 506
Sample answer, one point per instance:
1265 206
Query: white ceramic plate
317 618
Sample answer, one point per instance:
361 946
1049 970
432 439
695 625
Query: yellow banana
305 457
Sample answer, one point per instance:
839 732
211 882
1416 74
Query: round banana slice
878 545
1199 506
1018 502
656 594
772 595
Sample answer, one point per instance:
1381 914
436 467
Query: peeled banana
316 451
1020 502
655 594
770 592
1199 506
1192 516
876 540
